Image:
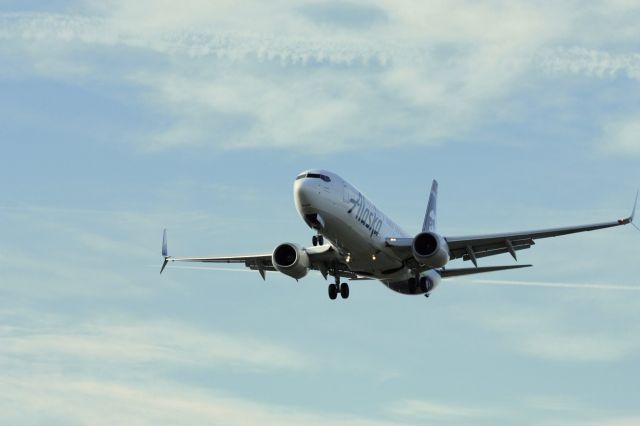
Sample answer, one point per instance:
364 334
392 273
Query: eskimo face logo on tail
366 214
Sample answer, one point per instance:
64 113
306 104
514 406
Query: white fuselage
353 225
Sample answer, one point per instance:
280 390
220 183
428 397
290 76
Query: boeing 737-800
354 240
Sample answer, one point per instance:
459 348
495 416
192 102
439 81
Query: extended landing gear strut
336 288
317 240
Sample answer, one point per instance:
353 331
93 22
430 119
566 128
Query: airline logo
366 214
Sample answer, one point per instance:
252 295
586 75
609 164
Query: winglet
164 243
633 213
429 223
164 250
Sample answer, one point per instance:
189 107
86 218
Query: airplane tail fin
429 223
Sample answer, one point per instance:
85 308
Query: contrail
553 285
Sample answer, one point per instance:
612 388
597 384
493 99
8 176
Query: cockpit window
314 176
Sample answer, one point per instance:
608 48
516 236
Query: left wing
474 247
477 246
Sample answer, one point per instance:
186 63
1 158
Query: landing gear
344 290
336 288
333 291
317 240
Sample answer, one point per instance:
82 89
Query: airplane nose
305 194
302 192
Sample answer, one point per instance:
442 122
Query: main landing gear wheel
344 290
333 291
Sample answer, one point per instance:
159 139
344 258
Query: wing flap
494 252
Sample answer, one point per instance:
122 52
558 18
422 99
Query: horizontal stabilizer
448 273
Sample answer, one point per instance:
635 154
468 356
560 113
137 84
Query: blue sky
121 118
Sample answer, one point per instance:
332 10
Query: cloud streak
438 412
549 335
298 80
167 343
234 46
52 398
290 49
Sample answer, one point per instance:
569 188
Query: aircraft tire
320 240
344 290
333 291
314 240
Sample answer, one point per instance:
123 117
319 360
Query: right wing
256 262
323 258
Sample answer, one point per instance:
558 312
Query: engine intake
291 260
430 249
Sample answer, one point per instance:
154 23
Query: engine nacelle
291 260
429 281
430 249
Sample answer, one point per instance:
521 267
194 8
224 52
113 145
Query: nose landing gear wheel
344 290
333 291
320 240
314 240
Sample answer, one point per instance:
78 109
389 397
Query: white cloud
35 399
438 411
558 404
262 74
151 343
591 62
546 334
612 420
122 371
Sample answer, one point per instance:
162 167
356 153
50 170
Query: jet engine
291 260
429 281
430 249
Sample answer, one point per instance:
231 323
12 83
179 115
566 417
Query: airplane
354 240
